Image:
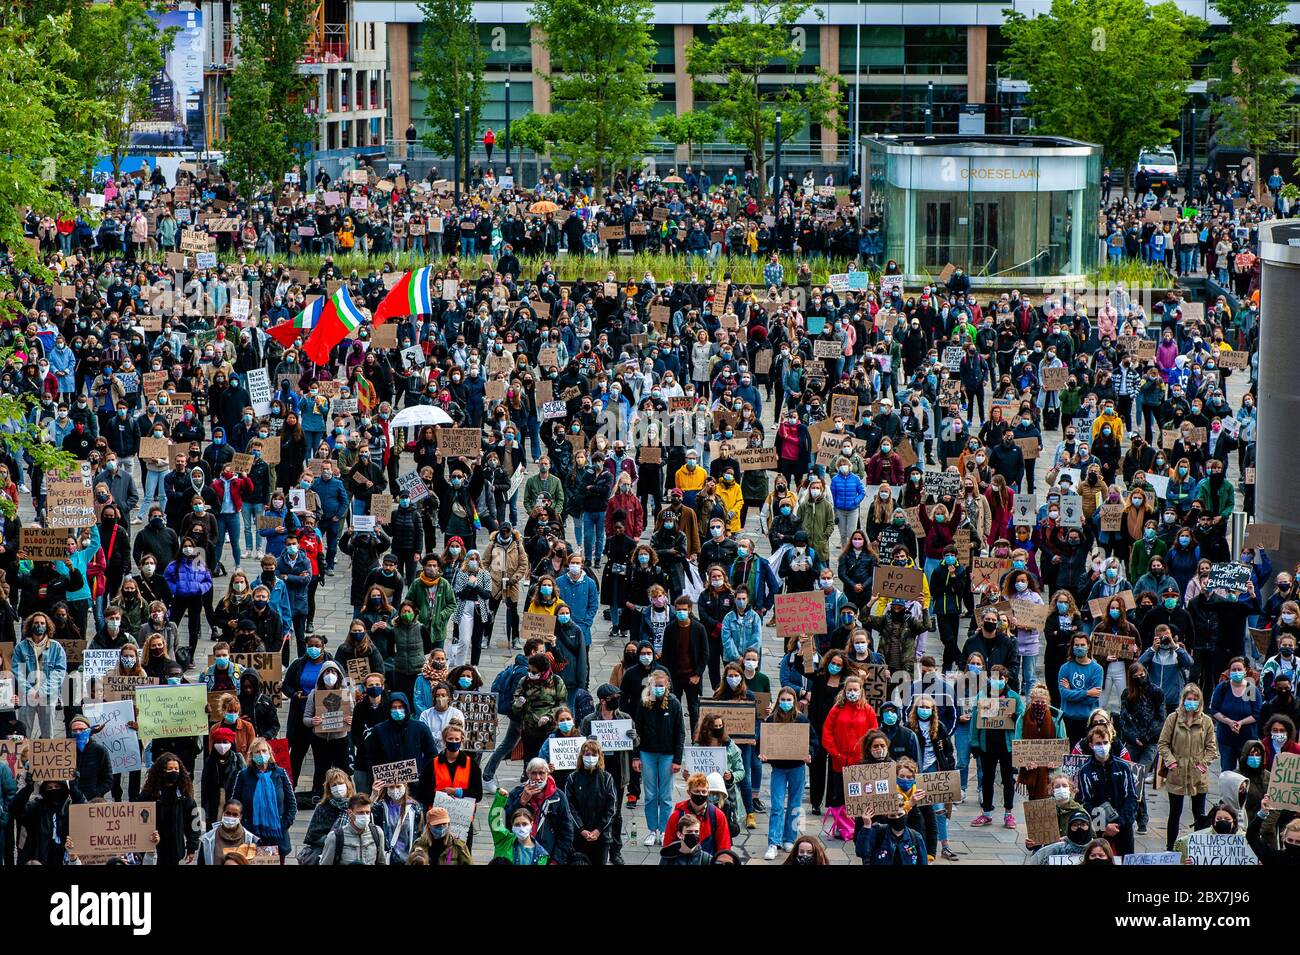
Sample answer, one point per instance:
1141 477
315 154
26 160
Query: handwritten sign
800 613
612 735
1284 785
44 543
737 716
941 787
52 760
898 583
1042 821
1039 753
996 713
563 751
480 710
102 830
870 788
165 712
988 571
460 811
459 442
332 706
1210 848
70 504
402 771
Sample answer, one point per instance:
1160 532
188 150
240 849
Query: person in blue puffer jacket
333 506
79 599
847 494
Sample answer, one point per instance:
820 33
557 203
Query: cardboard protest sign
988 571
1097 606
480 709
1028 447
875 682
332 706
71 503
800 613
1112 517
738 716
1041 821
704 759
44 543
52 760
102 830
1284 785
459 442
1028 615
784 741
1055 378
1210 848
1267 536
996 713
870 788
1106 645
402 771
118 687
460 810
1036 753
563 751
941 788
381 507
411 485
756 459
898 583
164 712
537 625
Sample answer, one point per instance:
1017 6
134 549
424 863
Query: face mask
833 668
733 681
889 718
1017 565
996 684
949 560
646 659
1112 573
1279 739
1080 652
1237 676
523 832
314 653
1254 762
659 691
261 759
1061 793
1101 750
1021 586
852 695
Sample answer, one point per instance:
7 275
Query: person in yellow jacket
690 478
1109 417
732 498
346 235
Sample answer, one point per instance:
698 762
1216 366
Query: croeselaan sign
990 173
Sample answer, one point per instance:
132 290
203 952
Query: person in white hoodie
438 716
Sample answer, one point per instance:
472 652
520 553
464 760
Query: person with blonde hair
1188 748
593 802
657 755
267 791
332 807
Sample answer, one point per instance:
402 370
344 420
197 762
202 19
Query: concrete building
346 57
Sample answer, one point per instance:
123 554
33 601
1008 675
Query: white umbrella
420 414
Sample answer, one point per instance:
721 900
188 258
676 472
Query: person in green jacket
1216 493
410 647
434 600
544 483
539 695
514 842
1144 548
818 519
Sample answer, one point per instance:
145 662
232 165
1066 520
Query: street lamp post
857 89
507 117
776 159
929 108
469 145
455 169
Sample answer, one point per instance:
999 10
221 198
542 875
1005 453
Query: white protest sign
612 735
1210 848
95 663
564 751
123 743
704 759
298 500
240 309
460 810
205 260
363 522
259 390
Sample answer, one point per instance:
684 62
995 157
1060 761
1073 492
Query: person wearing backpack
715 833
358 841
505 686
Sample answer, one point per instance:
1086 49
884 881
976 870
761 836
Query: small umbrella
543 207
674 180
420 415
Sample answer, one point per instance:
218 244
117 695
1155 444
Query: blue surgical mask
464 683
314 653
786 705
1062 607
889 717
1171 603
683 615
974 667
996 684
1254 761
261 759
1237 676
1113 613
1191 706
545 590
833 668
565 726
1080 652
949 560
643 559
1017 565
923 713
659 691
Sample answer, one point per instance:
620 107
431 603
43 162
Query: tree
746 39
451 71
601 51
270 131
125 51
1251 79
689 129
1113 72
36 156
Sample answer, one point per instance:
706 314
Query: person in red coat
850 719
885 465
230 489
715 835
489 140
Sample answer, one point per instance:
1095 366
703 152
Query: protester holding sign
170 788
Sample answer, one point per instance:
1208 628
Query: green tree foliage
1112 72
1252 82
37 155
689 129
601 51
451 63
269 132
730 73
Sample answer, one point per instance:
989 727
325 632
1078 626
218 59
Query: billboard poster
177 91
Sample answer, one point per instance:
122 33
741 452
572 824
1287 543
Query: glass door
936 250
984 237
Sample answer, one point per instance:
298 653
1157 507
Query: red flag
286 333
